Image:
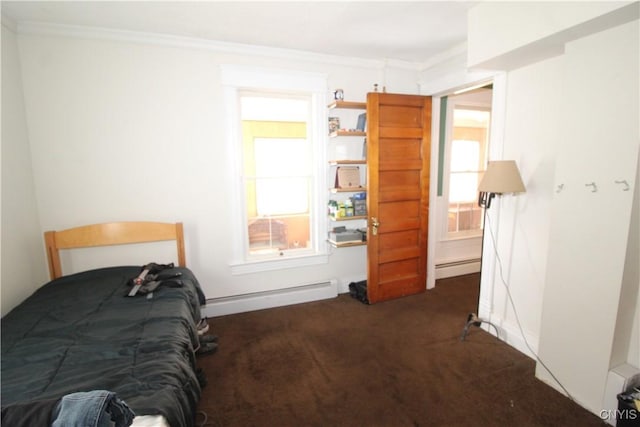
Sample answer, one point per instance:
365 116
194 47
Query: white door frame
463 247
456 79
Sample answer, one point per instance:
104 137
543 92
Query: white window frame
238 78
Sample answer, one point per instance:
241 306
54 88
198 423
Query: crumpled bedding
81 333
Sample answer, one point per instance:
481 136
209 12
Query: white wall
590 230
571 118
520 223
122 130
23 264
526 32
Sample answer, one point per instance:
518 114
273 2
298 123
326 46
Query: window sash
463 174
273 195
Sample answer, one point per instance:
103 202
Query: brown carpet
339 362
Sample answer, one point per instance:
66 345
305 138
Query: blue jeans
98 408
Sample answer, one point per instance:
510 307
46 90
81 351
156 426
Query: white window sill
248 267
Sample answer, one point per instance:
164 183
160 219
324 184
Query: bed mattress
81 332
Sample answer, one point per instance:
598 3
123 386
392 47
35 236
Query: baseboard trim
515 339
343 283
458 268
270 299
510 334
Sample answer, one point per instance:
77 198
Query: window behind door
467 163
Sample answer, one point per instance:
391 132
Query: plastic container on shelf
348 207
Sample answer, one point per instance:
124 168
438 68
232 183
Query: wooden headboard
113 233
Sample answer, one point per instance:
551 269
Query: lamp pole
484 201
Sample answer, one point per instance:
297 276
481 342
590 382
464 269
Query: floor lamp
501 177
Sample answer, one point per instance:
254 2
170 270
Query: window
467 162
277 179
278 172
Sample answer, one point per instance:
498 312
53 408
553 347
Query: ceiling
412 31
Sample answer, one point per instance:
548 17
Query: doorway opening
465 130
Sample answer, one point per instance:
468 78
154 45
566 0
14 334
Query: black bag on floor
358 290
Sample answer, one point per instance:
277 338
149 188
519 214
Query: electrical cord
474 320
205 420
515 312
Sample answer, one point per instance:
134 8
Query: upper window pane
274 156
465 155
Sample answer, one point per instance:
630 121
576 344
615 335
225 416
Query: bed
81 332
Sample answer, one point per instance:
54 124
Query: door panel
398 116
399 270
397 255
400 179
400 210
390 241
398 151
392 225
390 165
400 132
397 288
399 194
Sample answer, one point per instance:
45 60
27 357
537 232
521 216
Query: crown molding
97 33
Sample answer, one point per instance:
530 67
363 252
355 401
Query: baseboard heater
270 299
457 268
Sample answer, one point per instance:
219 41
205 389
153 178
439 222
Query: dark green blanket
81 333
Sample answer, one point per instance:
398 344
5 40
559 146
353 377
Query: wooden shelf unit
345 244
348 105
347 218
349 190
347 162
344 132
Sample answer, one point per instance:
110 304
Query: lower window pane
274 234
464 217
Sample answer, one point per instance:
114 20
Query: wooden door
398 154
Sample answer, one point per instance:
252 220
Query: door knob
374 225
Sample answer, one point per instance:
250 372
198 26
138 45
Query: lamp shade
502 176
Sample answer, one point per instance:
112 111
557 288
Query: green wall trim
441 142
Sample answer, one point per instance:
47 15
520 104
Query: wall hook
626 184
559 188
594 187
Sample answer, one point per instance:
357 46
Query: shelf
348 104
340 104
348 218
346 244
344 132
347 162
348 190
